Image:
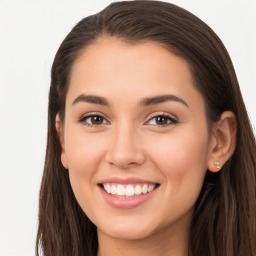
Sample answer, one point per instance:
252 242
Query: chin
128 230
128 234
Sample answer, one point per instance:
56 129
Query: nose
125 149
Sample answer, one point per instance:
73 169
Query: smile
127 193
129 190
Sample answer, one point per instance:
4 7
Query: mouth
127 193
128 190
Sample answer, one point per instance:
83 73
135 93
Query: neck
164 243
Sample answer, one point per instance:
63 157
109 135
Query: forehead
109 52
112 66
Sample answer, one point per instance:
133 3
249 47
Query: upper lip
129 180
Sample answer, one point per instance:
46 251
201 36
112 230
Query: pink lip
126 202
130 180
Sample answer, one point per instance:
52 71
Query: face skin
129 141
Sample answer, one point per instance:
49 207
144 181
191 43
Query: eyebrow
145 102
91 99
161 99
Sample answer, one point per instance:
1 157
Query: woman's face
134 122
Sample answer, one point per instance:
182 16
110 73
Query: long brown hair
224 221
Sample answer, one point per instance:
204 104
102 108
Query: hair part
224 221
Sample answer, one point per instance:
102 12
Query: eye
93 120
162 120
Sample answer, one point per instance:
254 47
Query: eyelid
173 118
91 114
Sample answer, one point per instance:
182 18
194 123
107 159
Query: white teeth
113 190
128 190
151 187
107 188
137 190
120 191
145 189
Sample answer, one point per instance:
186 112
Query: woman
150 150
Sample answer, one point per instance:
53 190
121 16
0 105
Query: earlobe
60 133
223 141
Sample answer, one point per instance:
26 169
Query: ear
60 132
223 141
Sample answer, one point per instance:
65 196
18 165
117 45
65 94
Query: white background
30 33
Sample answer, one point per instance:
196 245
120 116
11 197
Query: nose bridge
125 149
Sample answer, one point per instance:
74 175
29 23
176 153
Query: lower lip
127 202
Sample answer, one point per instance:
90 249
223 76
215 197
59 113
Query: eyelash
171 120
90 115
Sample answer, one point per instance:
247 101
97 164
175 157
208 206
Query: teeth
128 190
107 188
120 191
137 190
151 187
145 189
113 190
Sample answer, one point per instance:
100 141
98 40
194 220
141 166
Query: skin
128 142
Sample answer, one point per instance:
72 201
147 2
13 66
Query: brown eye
162 120
93 120
96 120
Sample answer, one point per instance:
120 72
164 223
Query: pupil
97 120
161 120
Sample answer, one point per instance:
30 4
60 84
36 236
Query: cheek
182 160
84 156
183 149
83 151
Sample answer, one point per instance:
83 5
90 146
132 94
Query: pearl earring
217 163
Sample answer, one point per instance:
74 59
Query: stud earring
217 163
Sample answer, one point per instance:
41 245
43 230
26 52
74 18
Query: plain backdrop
30 33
